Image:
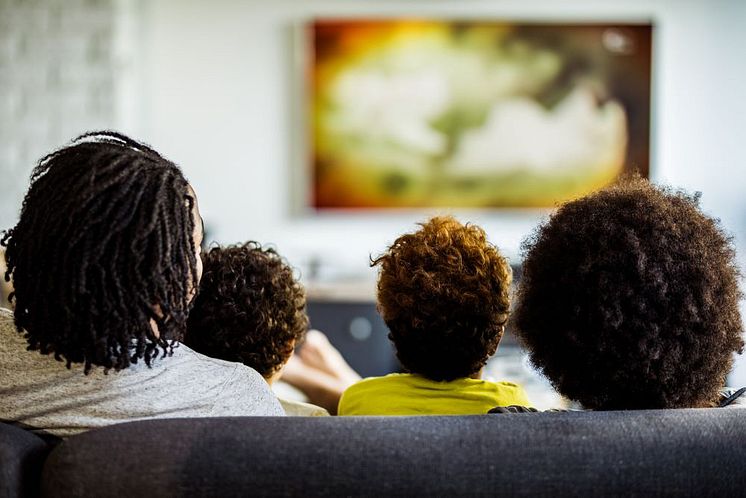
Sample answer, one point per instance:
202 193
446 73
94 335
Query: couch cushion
21 459
679 452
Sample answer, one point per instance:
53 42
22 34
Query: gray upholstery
22 456
641 453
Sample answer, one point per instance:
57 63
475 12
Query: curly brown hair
629 300
250 308
444 293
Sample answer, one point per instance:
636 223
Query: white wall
219 88
218 95
213 84
58 78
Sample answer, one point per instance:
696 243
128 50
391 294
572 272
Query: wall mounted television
417 113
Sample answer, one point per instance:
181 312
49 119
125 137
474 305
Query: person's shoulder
369 387
184 352
385 383
237 380
361 393
508 384
504 386
508 393
299 409
235 372
374 381
245 392
199 362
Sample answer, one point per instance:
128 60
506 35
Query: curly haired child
250 309
444 293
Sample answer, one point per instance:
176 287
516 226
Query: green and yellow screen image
431 113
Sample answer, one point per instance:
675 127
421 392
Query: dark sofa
22 456
638 453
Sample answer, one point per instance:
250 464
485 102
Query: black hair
630 300
103 248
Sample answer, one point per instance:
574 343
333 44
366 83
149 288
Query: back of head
444 293
103 249
250 308
629 300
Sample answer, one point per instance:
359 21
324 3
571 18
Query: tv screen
474 114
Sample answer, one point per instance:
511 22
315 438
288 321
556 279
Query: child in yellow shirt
444 293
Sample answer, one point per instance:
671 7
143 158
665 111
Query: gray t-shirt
42 393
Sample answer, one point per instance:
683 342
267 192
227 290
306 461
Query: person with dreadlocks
104 262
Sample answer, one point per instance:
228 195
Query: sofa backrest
22 456
677 452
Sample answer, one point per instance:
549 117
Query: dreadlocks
103 247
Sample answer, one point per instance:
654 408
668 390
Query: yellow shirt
410 394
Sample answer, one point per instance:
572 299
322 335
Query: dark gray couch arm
22 456
641 453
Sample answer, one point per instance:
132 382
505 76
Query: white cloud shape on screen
392 108
520 134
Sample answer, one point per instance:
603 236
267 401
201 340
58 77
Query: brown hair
444 293
250 308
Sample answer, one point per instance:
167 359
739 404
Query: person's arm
319 387
320 371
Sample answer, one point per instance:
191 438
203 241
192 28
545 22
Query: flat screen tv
416 113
